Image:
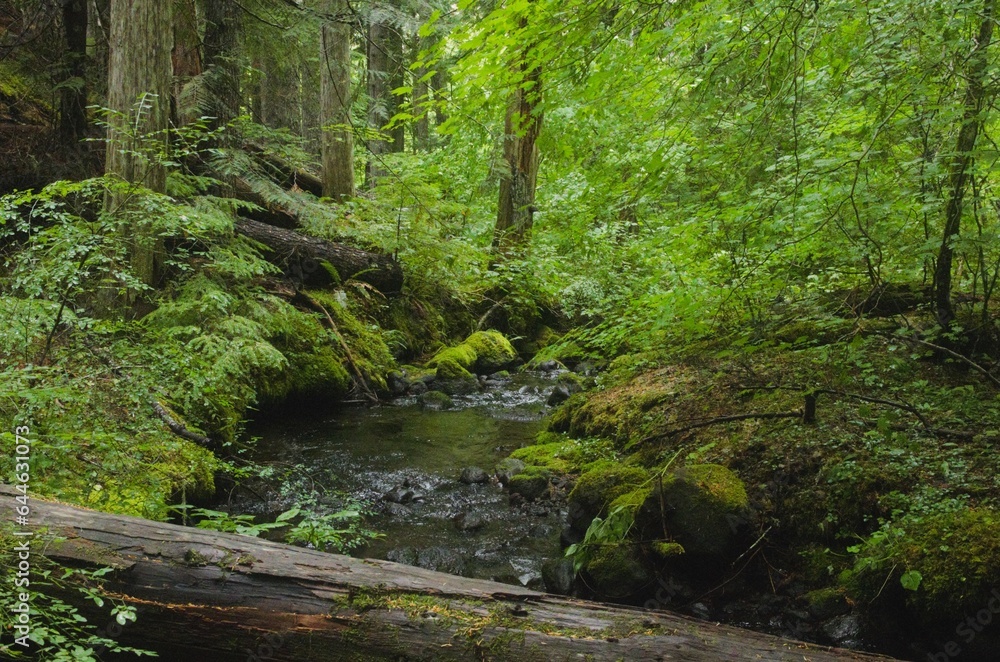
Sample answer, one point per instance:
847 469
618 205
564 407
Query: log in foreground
308 259
203 595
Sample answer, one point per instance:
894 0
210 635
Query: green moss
435 400
462 355
603 483
956 553
530 483
493 350
631 501
705 506
449 368
666 550
616 571
554 452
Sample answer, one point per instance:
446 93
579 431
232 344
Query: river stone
558 576
530 484
404 555
559 395
459 386
417 388
396 509
507 468
397 383
435 400
469 521
471 475
402 495
440 559
843 630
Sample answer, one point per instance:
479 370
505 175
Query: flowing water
404 452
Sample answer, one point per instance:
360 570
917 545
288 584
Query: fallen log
308 260
203 595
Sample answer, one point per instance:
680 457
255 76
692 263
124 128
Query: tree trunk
380 107
219 597
186 57
976 107
517 188
441 86
222 66
139 79
394 44
73 93
307 260
337 147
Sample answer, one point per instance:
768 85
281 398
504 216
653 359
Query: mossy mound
616 571
435 400
957 556
555 452
483 352
603 483
704 508
530 483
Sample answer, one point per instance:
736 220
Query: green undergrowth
896 479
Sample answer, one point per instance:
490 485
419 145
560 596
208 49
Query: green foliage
59 632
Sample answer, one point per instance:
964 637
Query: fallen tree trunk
203 595
306 259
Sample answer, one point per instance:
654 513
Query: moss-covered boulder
950 562
483 352
603 483
616 571
435 400
704 508
531 483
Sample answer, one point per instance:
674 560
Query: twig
177 428
316 305
955 355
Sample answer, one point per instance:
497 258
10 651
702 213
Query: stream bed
404 460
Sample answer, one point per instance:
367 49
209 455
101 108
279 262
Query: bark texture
73 94
337 145
522 125
302 258
139 86
203 595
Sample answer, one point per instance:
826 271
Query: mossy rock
667 550
530 483
826 603
956 553
435 400
562 418
597 488
706 510
458 386
483 352
616 571
554 452
493 351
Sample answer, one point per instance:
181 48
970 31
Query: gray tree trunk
139 85
337 146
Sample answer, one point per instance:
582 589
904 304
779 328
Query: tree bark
337 146
139 82
73 93
522 125
380 106
218 597
440 83
186 57
302 258
973 118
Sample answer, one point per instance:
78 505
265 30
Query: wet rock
508 468
435 400
402 495
559 395
396 509
472 475
549 366
569 536
701 610
531 483
417 388
440 559
843 630
469 521
616 572
398 384
558 576
404 555
457 386
826 603
539 511
540 531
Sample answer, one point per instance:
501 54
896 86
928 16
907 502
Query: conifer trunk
337 144
139 82
73 94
